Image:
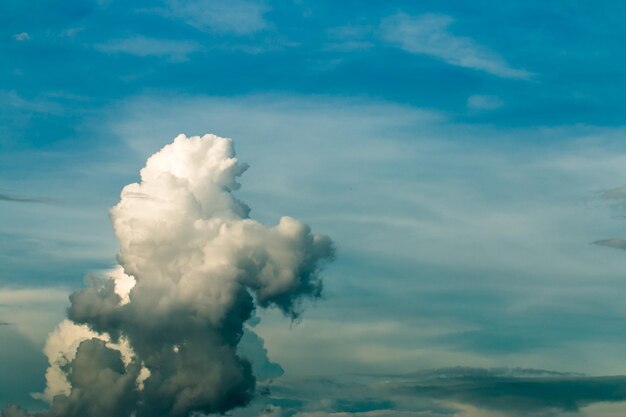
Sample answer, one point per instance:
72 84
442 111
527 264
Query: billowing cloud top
159 336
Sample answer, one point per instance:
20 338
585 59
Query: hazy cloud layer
143 46
21 37
611 243
20 199
483 259
239 17
449 392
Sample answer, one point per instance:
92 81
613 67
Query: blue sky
464 157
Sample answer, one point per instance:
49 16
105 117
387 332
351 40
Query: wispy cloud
22 199
21 37
429 34
143 46
427 207
617 198
448 392
239 17
481 102
611 243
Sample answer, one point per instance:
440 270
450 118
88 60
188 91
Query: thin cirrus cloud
429 34
482 102
493 215
142 46
238 17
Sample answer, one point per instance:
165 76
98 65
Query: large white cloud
159 335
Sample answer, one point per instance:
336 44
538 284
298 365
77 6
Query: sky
465 159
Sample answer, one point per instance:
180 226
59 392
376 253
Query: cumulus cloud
160 335
428 34
12 410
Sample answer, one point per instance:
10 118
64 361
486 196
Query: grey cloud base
161 336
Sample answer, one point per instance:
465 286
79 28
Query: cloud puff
428 34
161 336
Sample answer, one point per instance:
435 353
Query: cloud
15 101
480 102
531 392
12 410
96 370
238 17
22 367
162 335
175 51
428 34
611 243
251 347
350 38
444 228
21 37
20 199
459 242
618 196
618 193
447 392
32 311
